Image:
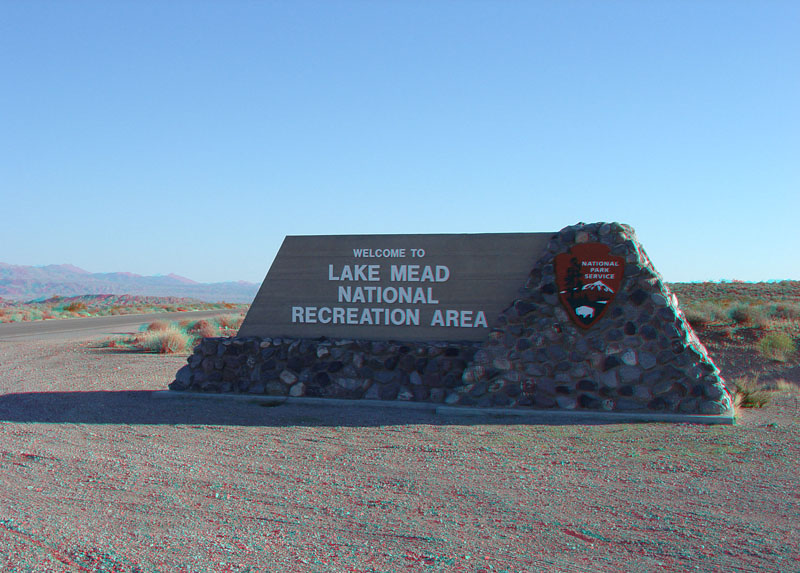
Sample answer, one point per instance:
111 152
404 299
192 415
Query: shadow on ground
147 407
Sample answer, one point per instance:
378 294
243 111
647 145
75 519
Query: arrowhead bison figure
585 311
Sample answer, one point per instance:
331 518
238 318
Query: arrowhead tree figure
573 281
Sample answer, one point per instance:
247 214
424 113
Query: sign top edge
516 234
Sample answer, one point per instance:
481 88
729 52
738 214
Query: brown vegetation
101 305
163 337
751 332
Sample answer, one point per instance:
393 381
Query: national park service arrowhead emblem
588 278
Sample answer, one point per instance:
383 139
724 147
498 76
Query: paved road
95 326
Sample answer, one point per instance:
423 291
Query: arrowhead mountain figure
598 285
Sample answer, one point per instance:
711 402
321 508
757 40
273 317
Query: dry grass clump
35 314
697 318
777 346
170 340
17 317
202 329
752 393
703 314
757 315
158 326
230 321
173 337
786 311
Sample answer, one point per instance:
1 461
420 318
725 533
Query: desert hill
21 282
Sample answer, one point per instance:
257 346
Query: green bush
777 346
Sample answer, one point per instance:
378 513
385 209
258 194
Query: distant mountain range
20 282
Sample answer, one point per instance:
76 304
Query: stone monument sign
578 319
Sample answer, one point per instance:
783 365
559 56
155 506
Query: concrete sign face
392 287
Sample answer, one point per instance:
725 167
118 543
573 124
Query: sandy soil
97 475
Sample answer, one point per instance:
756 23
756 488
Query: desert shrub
740 313
162 336
704 313
716 310
230 321
777 346
749 314
158 325
35 314
762 317
697 317
202 329
750 393
75 307
786 311
171 340
18 315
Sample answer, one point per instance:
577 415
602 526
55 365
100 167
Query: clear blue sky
191 137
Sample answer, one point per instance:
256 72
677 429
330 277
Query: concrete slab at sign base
524 416
586 416
592 328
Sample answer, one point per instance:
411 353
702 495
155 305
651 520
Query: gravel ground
97 475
